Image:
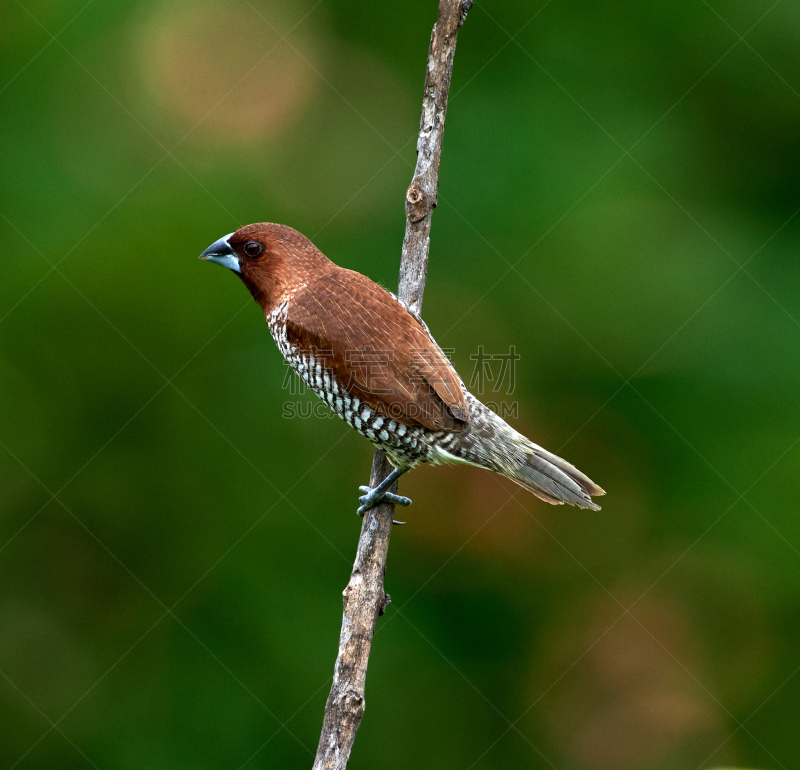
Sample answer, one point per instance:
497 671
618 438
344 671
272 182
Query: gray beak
221 252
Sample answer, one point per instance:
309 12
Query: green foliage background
618 195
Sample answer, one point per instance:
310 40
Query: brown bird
377 366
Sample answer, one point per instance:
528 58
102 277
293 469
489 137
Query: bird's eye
253 248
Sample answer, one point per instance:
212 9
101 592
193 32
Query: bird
376 365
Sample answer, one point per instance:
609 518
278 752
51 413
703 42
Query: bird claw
374 495
370 499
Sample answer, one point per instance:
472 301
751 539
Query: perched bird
377 366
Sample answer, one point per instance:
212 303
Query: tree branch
364 597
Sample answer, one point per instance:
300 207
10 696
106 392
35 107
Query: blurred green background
618 194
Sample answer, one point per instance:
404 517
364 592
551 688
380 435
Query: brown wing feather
376 350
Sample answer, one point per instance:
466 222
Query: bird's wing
376 350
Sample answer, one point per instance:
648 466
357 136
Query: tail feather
555 480
492 443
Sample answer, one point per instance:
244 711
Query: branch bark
364 597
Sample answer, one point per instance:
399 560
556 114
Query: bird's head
272 260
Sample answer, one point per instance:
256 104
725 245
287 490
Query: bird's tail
492 443
554 480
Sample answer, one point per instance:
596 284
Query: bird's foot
377 495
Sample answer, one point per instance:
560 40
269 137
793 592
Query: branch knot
417 205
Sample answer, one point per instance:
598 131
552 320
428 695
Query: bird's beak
221 252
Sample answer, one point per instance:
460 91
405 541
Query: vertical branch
364 597
421 194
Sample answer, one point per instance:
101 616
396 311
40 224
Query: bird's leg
373 496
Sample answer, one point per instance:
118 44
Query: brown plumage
378 367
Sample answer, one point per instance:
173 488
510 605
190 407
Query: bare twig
364 597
